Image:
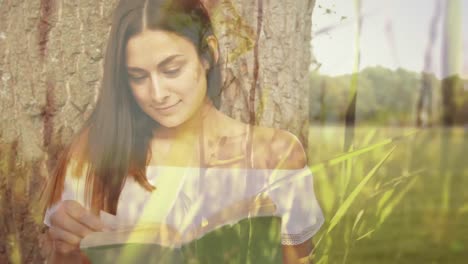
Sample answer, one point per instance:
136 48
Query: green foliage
384 97
352 196
403 202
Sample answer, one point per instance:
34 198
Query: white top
189 198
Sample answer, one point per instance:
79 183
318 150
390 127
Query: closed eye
136 78
172 72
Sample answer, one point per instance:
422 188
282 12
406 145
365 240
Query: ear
213 49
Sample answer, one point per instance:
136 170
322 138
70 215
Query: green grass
398 198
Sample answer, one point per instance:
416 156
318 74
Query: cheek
190 84
139 95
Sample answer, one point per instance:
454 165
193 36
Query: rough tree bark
51 55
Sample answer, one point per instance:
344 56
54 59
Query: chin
170 122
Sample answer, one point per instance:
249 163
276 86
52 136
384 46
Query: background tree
424 105
51 55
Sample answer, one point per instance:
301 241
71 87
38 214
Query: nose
159 93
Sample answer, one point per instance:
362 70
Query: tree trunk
425 101
266 47
51 55
450 58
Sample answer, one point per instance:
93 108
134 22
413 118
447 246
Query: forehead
153 46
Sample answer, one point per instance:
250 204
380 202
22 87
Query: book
246 231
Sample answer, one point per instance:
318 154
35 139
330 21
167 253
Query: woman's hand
70 223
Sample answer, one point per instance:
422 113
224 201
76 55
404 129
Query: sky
394 33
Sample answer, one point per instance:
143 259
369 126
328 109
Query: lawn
396 197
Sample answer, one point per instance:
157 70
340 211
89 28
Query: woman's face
166 76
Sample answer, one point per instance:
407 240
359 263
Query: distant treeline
390 97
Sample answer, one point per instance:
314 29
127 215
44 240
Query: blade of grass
358 217
384 199
393 203
365 235
394 182
337 160
327 192
349 200
369 137
347 168
360 151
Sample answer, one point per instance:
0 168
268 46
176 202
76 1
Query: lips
164 108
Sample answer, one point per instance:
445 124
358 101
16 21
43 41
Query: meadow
396 196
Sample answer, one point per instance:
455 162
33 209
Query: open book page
169 236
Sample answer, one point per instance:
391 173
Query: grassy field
396 197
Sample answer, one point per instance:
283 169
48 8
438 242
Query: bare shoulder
278 149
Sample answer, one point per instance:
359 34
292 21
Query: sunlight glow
394 34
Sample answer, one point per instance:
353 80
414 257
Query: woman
157 109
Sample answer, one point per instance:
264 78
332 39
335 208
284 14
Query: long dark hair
114 141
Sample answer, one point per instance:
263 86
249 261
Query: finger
64 248
83 216
65 222
59 234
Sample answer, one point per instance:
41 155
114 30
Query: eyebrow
161 64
